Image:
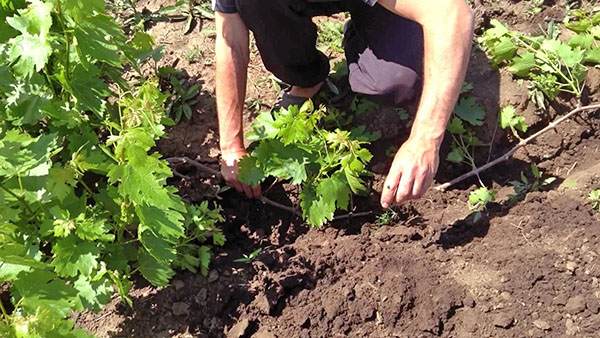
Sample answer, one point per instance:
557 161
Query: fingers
257 191
405 188
391 184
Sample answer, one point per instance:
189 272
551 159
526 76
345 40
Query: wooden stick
521 144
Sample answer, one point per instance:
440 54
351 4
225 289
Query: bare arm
448 30
232 54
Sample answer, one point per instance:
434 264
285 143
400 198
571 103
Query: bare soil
528 268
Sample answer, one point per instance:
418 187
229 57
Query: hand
229 170
412 172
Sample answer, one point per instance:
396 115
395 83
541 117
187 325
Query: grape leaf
93 294
509 119
156 272
522 64
99 37
262 128
40 289
249 172
72 256
335 191
470 111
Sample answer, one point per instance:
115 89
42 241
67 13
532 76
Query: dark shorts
384 51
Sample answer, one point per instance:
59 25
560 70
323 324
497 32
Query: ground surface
528 268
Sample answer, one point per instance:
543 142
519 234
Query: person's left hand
412 171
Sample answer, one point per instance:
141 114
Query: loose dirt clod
575 305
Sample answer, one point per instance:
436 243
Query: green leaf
335 191
455 126
522 64
204 254
509 119
156 272
584 41
15 258
19 152
40 289
93 294
504 50
72 256
98 37
592 55
470 111
262 128
456 155
29 54
249 172
159 248
87 88
36 19
163 222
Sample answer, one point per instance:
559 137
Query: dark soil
528 268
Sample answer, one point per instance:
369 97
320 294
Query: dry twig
521 144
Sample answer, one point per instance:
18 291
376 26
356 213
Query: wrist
233 151
428 137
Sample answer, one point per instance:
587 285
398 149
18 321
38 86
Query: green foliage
84 202
182 98
509 119
388 217
293 146
526 185
594 197
247 258
331 36
467 114
479 199
551 65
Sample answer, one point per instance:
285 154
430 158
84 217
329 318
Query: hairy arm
448 31
232 54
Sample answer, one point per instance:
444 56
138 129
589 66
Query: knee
396 84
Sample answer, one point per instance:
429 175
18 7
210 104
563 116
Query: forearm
232 55
448 31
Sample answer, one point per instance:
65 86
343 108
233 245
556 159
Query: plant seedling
479 199
247 258
509 119
525 185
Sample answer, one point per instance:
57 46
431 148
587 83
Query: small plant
551 65
331 35
508 119
594 197
526 185
467 114
182 99
479 199
388 217
247 258
194 54
293 146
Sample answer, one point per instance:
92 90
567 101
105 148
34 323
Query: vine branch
263 199
522 143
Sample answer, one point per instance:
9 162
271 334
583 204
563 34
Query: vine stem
18 198
263 199
4 313
522 143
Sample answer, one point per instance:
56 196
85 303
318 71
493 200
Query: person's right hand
229 170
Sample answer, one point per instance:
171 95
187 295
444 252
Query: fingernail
384 205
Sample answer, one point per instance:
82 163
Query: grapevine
84 202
